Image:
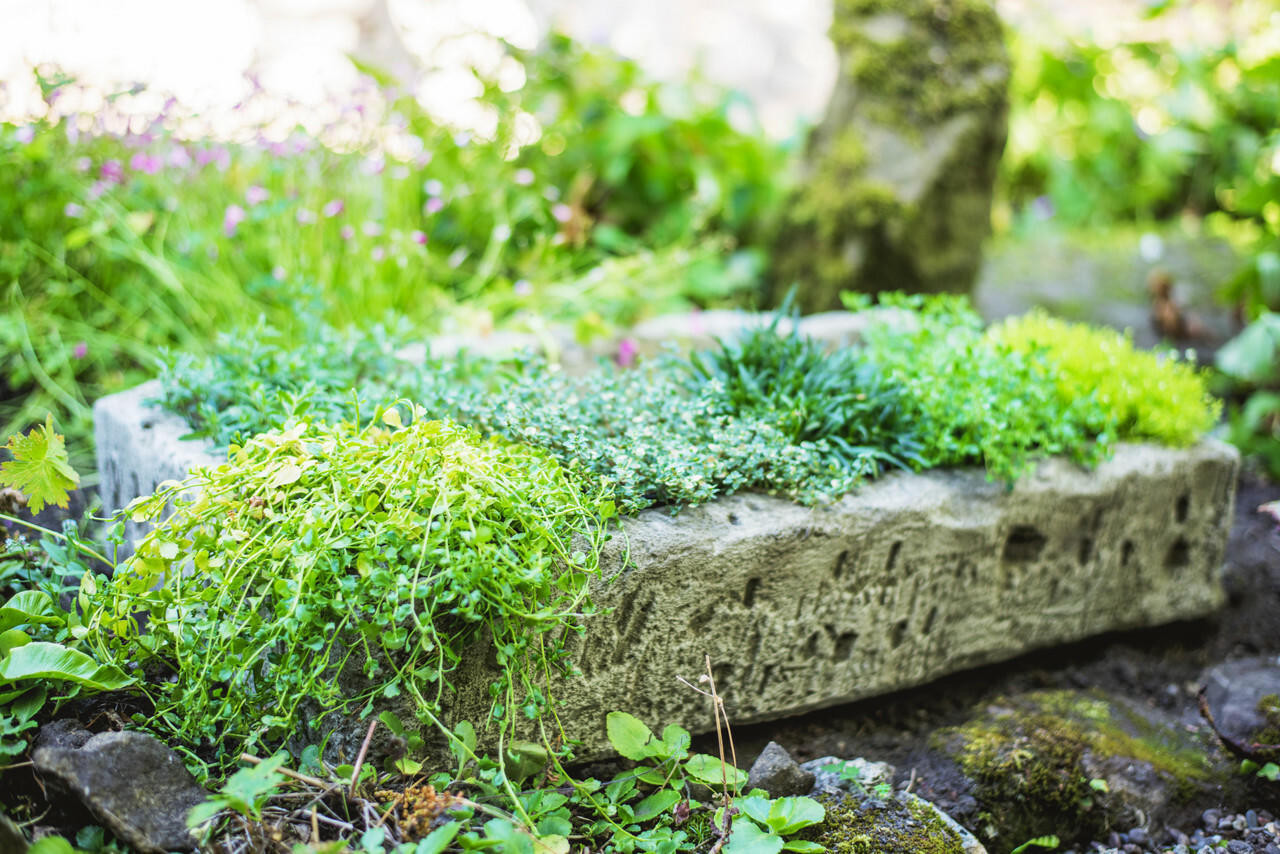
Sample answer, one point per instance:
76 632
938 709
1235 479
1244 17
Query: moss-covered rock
898 178
894 825
1078 765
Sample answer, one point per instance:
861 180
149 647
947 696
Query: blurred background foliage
596 197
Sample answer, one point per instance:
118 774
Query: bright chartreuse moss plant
350 563
974 400
1147 395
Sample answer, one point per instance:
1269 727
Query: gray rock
66 732
136 786
833 775
899 175
778 774
1241 699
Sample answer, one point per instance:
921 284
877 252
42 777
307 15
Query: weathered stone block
913 577
898 178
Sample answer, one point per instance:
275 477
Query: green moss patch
872 826
1033 758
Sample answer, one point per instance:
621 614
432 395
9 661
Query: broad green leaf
39 467
288 473
438 839
656 804
29 606
747 837
51 845
756 807
787 815
42 660
803 846
710 770
629 736
1251 355
677 740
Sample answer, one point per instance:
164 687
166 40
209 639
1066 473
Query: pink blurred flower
81 350
373 164
256 195
112 172
72 129
83 164
432 187
145 163
627 352
179 158
231 219
334 208
523 177
219 155
347 232
419 237
97 188
25 134
378 253
278 273
562 213
371 229
523 287
434 205
73 210
306 216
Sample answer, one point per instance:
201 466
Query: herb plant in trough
322 567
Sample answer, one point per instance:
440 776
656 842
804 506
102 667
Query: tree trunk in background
898 178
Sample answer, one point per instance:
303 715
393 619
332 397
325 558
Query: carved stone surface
913 577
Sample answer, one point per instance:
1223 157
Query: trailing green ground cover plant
351 563
1251 363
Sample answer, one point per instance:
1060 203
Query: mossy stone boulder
1078 765
897 183
900 824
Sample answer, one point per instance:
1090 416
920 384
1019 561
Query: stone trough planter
911 578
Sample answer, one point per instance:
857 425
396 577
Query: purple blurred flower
523 287
306 216
256 195
112 172
73 210
83 164
231 219
334 208
523 177
1042 207
434 205
72 129
178 157
562 213
347 232
372 229
97 188
432 187
278 273
378 253
373 164
146 163
419 237
219 155
25 134
81 350
627 352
